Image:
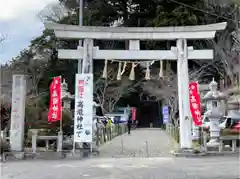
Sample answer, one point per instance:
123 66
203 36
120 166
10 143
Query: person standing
129 123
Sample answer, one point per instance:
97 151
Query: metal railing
108 132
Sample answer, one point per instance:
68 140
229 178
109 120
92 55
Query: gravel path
141 143
125 168
136 161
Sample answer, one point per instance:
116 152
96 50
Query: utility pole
80 24
237 17
238 33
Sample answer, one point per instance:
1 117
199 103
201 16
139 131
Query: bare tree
32 65
2 37
109 91
224 45
224 55
53 12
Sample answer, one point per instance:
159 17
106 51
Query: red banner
195 103
134 111
55 103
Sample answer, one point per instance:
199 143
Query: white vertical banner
83 115
18 112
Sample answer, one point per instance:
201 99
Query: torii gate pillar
183 94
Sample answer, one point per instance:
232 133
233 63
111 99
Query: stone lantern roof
214 94
65 94
64 85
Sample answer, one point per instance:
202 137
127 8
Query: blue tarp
119 120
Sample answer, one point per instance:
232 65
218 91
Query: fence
173 131
101 135
228 142
104 134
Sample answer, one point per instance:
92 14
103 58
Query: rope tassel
124 68
119 74
132 73
161 69
168 67
104 75
147 75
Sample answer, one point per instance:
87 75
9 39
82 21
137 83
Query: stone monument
215 101
18 114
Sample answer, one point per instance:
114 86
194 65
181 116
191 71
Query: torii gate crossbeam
134 54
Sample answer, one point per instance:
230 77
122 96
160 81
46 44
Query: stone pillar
34 140
195 132
60 141
67 104
214 118
18 113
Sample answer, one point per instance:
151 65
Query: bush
5 112
4 146
226 132
51 128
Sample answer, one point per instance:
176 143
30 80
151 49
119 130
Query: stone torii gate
181 53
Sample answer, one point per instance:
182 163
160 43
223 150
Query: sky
19 23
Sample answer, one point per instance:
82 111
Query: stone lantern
215 110
67 98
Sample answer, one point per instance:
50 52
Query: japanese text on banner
79 108
83 108
195 104
55 103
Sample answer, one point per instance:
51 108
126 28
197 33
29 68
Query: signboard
165 113
83 117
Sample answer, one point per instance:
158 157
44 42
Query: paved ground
141 143
125 168
126 157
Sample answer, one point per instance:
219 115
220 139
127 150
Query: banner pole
61 121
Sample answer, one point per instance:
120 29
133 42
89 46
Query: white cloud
19 21
15 9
